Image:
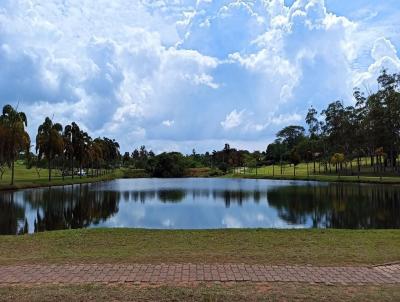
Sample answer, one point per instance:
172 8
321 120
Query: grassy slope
317 247
29 178
203 292
301 174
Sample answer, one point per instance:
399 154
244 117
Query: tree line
361 138
176 164
69 149
356 139
342 137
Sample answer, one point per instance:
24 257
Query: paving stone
184 273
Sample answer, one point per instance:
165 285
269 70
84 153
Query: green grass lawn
31 178
316 247
248 292
301 173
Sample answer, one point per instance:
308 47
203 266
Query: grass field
204 292
317 247
302 173
31 178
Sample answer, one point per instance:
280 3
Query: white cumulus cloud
233 119
169 74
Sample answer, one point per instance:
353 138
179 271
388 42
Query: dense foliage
171 164
342 134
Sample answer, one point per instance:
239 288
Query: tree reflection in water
12 215
338 205
315 205
178 195
71 207
68 207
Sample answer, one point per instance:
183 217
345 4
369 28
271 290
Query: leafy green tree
250 161
291 136
171 164
337 160
313 123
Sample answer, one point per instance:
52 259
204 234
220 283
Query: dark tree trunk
63 168
49 169
72 167
12 171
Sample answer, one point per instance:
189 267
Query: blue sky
184 74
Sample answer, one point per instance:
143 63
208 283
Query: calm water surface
196 203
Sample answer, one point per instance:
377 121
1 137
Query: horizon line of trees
340 135
338 138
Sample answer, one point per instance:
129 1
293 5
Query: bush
165 165
135 173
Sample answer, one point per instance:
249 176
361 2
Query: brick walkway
187 273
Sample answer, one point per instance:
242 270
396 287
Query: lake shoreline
120 175
59 182
323 178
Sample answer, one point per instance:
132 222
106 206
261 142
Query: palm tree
111 154
99 152
81 145
15 139
49 141
71 138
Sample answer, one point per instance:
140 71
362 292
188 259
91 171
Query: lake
201 203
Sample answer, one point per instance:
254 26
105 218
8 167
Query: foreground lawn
203 292
316 247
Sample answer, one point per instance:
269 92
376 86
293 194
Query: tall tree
72 134
312 122
291 136
15 138
49 142
81 149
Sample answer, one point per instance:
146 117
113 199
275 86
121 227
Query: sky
184 74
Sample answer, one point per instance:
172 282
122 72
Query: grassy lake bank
32 178
267 246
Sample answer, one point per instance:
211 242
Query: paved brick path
186 273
